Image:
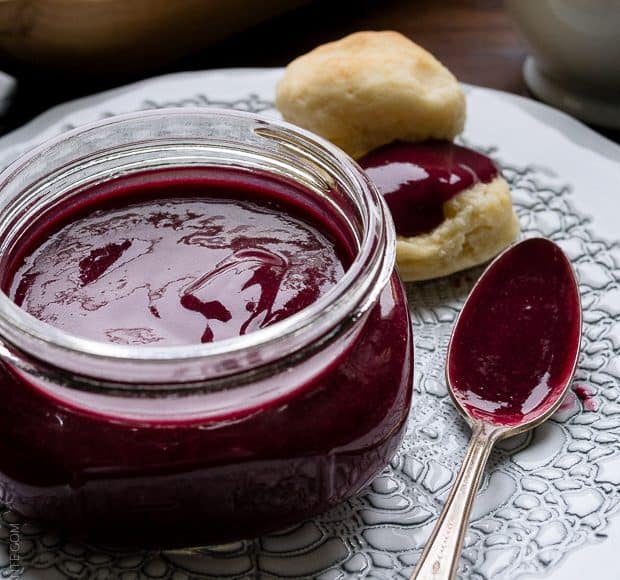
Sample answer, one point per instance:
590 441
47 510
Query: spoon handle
440 558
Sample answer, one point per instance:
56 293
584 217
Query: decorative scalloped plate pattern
544 494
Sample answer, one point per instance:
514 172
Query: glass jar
187 445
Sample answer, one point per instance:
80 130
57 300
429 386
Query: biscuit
479 223
369 89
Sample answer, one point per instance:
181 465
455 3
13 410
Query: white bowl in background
575 55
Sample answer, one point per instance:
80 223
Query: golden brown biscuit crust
369 89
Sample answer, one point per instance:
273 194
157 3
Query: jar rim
361 284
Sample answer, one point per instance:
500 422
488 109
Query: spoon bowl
511 358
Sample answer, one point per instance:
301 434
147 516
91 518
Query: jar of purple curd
203 337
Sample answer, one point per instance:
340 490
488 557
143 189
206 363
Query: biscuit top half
369 89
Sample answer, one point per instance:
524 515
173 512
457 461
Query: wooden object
121 35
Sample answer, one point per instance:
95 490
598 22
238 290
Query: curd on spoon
511 358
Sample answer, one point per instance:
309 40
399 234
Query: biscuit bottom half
479 223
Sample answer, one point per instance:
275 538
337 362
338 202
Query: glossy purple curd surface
201 481
586 395
416 179
175 270
517 338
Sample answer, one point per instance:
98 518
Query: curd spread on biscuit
416 179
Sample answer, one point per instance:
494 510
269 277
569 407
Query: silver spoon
511 358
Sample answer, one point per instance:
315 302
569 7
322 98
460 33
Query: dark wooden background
474 38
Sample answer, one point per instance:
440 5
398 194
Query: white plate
548 502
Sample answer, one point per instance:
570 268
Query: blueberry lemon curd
416 179
170 266
527 303
185 257
452 208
